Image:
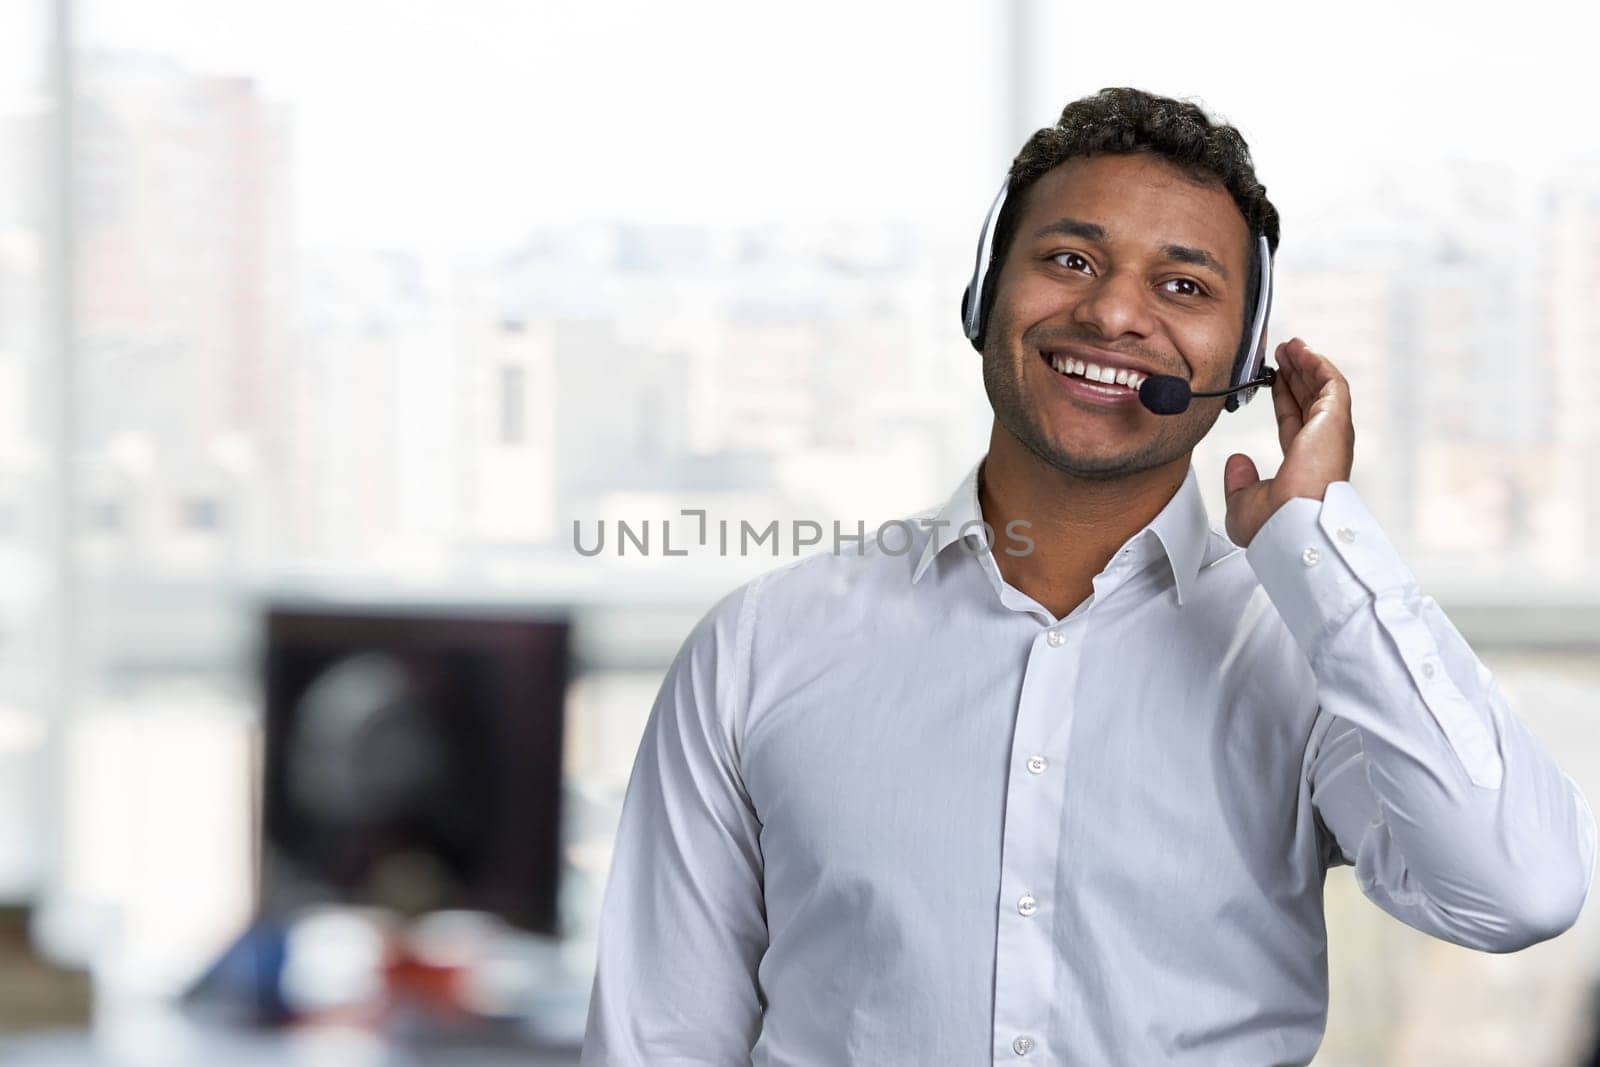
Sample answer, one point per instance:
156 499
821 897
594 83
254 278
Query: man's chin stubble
1012 412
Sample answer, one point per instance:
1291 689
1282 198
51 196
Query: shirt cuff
1319 560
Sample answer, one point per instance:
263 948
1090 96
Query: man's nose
1115 305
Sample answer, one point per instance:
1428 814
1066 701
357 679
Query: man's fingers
1287 411
1299 387
1326 388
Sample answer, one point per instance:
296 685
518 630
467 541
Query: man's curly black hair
1123 121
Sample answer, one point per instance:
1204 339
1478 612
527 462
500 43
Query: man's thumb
1238 473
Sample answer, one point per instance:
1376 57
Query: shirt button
1310 556
1022 1045
1056 638
1427 670
1037 764
1346 534
1027 905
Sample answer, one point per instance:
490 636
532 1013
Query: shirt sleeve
1456 819
683 921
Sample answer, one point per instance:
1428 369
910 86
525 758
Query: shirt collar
1182 528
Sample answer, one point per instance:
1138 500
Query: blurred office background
367 302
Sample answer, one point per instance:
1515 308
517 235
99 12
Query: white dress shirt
888 809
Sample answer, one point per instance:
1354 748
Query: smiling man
1069 797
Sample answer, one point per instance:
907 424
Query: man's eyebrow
1198 257
1093 231
1089 231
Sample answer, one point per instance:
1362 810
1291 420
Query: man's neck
1076 524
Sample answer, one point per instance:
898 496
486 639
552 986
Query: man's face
1123 256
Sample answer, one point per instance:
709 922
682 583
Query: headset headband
1247 364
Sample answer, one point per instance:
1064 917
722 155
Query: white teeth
1114 376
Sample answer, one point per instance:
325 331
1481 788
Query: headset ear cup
966 304
980 324
1244 369
986 305
978 289
1242 364
1252 354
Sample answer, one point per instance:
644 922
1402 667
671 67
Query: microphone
1168 394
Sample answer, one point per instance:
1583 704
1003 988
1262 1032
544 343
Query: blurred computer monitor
412 760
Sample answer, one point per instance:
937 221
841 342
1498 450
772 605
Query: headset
1247 364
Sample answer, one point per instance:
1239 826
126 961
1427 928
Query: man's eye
1194 286
1069 257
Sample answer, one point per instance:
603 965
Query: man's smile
1092 383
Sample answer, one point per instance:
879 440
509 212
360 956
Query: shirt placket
1025 967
